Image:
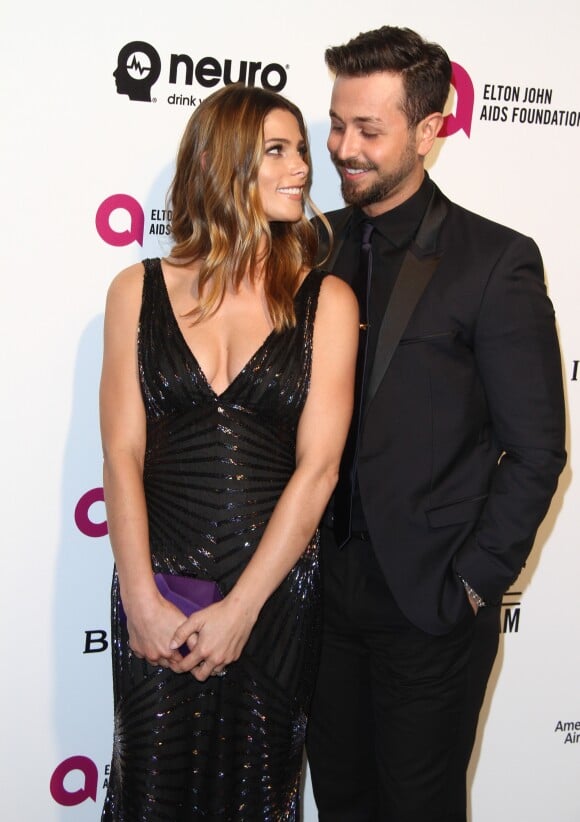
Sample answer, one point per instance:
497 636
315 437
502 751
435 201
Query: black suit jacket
462 437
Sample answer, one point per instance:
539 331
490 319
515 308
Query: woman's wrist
140 595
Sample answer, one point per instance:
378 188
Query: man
454 453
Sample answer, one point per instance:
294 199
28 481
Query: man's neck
398 196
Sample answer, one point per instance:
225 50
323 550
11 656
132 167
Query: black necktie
347 479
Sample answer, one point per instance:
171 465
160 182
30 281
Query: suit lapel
419 263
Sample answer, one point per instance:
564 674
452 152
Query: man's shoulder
338 218
339 214
462 219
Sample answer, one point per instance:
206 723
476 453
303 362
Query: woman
226 396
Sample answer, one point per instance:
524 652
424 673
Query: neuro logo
125 236
82 519
461 120
138 67
62 794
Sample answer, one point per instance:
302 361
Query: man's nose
346 145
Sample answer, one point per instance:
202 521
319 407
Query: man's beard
382 188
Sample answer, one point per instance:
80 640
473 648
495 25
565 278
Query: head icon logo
461 120
61 794
138 67
122 202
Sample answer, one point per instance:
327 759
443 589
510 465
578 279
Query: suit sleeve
518 357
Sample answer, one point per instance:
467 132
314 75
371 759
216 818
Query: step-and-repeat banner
94 100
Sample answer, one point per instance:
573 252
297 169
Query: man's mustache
354 164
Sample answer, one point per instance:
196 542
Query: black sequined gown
215 466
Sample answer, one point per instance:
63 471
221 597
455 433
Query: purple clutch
189 594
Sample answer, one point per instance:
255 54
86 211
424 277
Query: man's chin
356 196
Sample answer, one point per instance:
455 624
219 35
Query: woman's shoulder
130 279
126 289
336 325
334 289
335 298
316 278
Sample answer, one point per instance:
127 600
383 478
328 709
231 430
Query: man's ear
427 131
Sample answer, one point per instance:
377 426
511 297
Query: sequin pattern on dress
215 466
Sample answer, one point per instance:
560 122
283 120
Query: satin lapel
419 263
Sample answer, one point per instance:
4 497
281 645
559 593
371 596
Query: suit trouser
395 710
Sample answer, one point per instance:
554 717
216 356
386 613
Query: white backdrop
69 142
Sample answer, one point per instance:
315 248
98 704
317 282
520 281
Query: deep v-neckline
192 356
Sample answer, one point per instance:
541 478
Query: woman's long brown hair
217 215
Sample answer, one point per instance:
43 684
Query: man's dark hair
425 67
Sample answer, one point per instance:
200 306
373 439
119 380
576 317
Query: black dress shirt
394 233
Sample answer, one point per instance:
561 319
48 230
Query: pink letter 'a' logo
83 522
461 120
68 798
126 203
